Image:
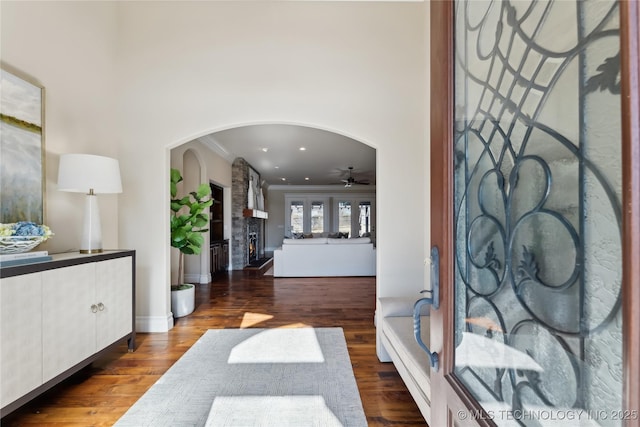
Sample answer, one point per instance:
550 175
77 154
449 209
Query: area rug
256 377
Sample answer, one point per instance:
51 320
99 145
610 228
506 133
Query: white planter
183 301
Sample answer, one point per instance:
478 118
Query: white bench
394 323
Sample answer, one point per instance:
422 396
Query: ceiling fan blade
351 180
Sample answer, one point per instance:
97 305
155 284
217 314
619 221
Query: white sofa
323 256
394 328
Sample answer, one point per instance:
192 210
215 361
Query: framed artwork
255 199
22 171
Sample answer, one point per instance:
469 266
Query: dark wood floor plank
101 393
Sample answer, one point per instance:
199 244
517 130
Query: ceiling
274 150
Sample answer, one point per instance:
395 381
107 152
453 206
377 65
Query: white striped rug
256 377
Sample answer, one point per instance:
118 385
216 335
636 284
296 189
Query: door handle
433 301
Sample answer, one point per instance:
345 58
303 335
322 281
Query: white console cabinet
60 315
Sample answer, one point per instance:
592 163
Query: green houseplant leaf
189 217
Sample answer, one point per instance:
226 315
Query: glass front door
537 211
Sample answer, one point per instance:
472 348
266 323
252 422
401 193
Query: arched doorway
287 157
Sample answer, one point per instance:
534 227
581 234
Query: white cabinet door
69 324
21 336
114 297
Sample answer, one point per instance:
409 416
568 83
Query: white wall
186 69
69 47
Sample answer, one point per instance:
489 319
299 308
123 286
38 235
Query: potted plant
188 219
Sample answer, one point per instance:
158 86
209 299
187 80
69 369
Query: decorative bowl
18 244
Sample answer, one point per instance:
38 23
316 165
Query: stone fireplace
248 231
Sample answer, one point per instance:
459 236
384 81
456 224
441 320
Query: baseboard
154 323
197 278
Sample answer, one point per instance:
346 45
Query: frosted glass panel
537 209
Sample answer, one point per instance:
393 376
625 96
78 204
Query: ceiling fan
351 180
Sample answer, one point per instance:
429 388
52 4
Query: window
323 213
354 215
296 215
344 217
317 217
364 220
306 214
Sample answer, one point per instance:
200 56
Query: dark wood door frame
442 84
630 83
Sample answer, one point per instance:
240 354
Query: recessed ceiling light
284 179
265 149
306 178
303 148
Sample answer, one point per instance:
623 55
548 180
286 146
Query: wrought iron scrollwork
526 185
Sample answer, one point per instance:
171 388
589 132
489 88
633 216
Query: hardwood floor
100 394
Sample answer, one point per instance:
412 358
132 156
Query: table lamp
90 174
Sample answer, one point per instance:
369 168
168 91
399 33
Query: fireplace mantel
255 213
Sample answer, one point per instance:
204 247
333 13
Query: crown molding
339 187
217 148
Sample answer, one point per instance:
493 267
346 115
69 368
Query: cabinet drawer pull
94 308
100 306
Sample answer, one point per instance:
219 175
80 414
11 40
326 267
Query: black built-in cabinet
219 249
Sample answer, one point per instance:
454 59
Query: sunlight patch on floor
282 345
252 319
274 411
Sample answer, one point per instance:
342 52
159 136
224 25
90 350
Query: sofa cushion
314 241
354 241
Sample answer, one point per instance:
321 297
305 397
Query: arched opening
324 165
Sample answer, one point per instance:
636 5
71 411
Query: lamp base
90 251
91 242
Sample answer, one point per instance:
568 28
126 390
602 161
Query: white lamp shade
80 173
